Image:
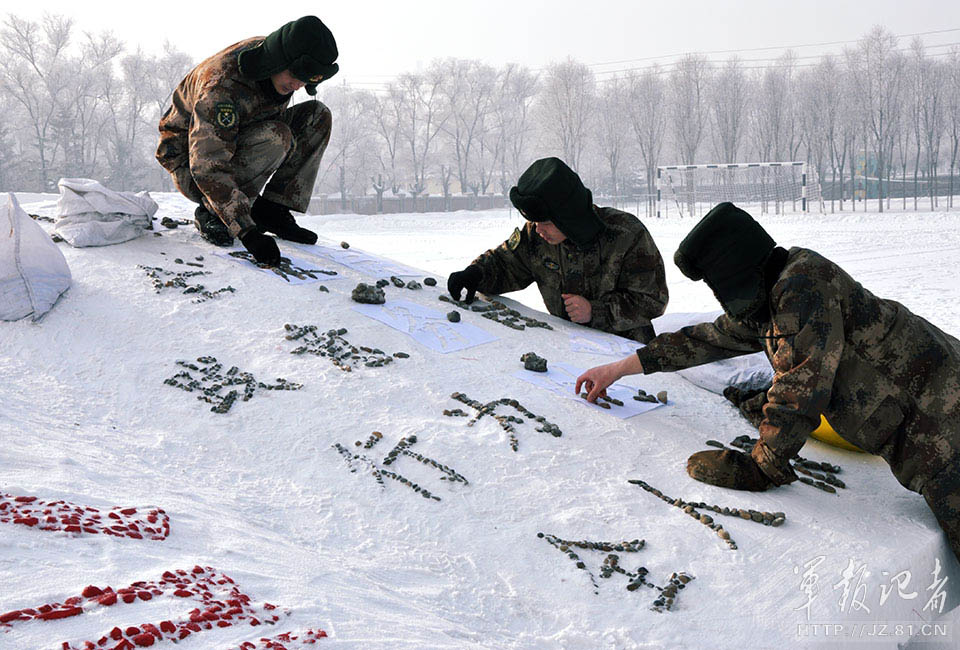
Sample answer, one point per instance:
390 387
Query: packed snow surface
262 494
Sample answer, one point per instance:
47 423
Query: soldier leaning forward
886 379
229 128
595 266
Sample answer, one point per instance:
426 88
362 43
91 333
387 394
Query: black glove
468 279
264 249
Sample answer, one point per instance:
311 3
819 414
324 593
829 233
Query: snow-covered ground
262 495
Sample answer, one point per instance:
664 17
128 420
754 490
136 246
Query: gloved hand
749 402
264 249
468 279
729 469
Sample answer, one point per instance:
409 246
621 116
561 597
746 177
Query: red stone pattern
283 641
153 524
222 604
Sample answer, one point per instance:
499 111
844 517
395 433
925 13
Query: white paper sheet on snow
561 378
360 261
427 326
602 343
296 262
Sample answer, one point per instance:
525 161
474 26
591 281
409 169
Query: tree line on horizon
80 105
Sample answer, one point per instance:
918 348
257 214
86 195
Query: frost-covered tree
877 73
517 90
688 83
774 118
423 115
613 128
567 102
349 161
466 90
729 94
953 112
647 110
35 72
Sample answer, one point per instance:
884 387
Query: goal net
766 188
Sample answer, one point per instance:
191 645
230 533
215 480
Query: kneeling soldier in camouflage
886 379
594 266
229 129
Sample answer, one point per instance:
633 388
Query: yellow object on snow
825 433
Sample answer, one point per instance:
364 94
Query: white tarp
427 326
92 215
33 271
749 371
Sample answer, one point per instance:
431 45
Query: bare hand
578 308
596 380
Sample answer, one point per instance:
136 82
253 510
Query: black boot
211 228
276 218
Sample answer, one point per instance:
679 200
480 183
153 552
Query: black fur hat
304 46
728 249
551 191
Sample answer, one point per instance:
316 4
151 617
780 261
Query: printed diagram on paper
360 261
427 326
561 379
603 343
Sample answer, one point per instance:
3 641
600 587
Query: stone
397 282
413 284
367 294
430 282
344 244
382 283
453 316
662 397
533 362
323 289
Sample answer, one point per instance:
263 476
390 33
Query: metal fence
400 204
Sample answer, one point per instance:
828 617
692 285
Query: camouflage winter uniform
621 274
225 134
886 379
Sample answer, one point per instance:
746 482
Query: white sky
378 40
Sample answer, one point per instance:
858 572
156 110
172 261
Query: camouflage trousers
290 149
942 494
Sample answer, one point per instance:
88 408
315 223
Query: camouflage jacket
886 379
621 274
201 127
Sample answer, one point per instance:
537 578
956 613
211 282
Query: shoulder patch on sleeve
225 114
514 240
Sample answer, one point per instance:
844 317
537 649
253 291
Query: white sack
749 371
33 271
92 215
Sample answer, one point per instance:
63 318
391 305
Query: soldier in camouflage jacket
595 266
229 128
886 379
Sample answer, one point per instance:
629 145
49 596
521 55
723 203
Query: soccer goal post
765 187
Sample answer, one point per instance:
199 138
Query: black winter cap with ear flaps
551 191
304 46
728 250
